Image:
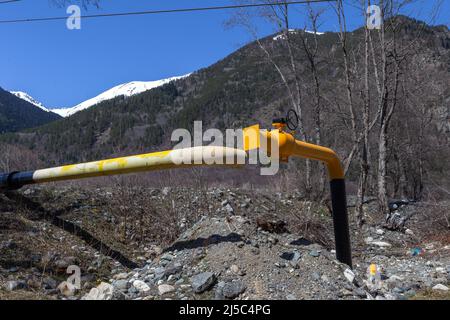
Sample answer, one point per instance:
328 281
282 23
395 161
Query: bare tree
278 13
343 36
311 51
16 157
359 117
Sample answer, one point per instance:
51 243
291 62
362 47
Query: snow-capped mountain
126 89
25 96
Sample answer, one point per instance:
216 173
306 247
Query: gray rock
291 297
315 276
133 291
165 288
121 285
203 281
173 269
141 286
164 263
381 244
233 289
235 269
314 253
398 290
160 273
244 205
296 257
345 293
172 278
49 283
229 209
16 285
121 276
410 293
440 287
167 256
360 293
219 291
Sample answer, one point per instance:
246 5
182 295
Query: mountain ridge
18 114
126 89
25 96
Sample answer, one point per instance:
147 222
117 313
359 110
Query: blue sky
62 67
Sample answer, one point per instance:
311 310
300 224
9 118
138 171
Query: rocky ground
146 244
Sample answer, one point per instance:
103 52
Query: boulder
121 285
233 289
203 281
141 286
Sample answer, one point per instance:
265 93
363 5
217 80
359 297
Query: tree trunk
382 156
364 154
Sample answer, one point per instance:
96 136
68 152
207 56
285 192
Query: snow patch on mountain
25 96
126 89
294 31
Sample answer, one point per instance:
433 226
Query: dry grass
433 222
313 222
24 295
432 295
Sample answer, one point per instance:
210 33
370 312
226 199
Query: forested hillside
17 114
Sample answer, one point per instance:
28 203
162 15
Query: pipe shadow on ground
76 230
203 242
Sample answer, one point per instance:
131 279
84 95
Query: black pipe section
15 180
340 221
